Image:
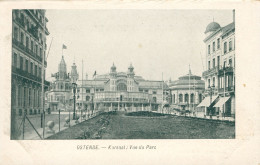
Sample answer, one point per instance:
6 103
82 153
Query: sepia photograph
123 74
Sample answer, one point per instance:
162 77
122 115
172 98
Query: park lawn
121 126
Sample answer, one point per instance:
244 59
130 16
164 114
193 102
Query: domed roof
213 26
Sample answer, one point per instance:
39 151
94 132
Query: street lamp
211 90
74 86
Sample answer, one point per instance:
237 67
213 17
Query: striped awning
221 101
206 102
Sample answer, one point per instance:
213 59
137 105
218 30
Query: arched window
87 98
180 98
121 87
186 98
192 98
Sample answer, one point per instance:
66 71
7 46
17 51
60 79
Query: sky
158 43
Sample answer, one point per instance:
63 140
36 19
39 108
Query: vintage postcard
167 80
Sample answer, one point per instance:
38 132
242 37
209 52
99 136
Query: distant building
59 96
29 33
220 72
187 92
121 91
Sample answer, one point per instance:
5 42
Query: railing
227 70
28 51
28 75
210 71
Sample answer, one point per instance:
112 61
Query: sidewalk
32 135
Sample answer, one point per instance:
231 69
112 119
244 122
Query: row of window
214 46
24 96
186 98
228 81
28 42
230 46
218 62
26 65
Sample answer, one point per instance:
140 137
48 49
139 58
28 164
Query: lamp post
211 88
74 85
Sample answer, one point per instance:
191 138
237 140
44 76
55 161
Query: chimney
234 15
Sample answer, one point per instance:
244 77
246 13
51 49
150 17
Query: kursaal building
123 91
220 71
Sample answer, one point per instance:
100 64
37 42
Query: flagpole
43 70
162 92
82 91
189 88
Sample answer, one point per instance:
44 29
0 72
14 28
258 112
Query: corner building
122 91
220 71
29 47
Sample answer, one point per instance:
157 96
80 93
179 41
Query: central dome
213 26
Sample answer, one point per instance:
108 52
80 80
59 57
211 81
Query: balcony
209 72
228 70
29 52
28 75
228 89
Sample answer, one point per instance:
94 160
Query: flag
95 73
64 46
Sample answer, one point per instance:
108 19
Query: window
40 72
32 46
27 42
208 65
208 49
21 63
15 33
192 98
230 62
230 45
26 65
35 70
30 97
87 98
31 71
22 37
218 43
208 82
36 49
224 65
213 63
87 90
200 98
121 87
213 81
225 47
15 59
34 97
180 98
154 92
218 61
214 46
40 52
186 98
173 98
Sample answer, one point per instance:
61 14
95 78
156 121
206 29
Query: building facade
220 72
122 91
187 92
59 97
29 33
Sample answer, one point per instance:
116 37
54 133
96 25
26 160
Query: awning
206 101
221 101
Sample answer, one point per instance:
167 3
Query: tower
62 69
74 73
130 78
112 75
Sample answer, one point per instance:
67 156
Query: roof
152 84
228 28
212 27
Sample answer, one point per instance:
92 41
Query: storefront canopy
206 102
221 101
